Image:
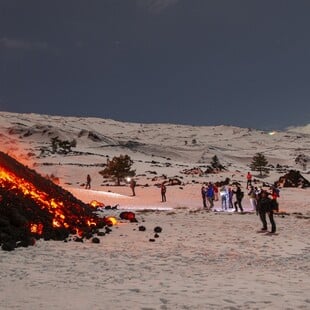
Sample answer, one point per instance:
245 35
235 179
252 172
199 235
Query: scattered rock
142 228
158 229
78 239
95 240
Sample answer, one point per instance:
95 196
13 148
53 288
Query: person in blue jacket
210 196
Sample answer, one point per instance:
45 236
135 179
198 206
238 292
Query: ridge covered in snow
169 148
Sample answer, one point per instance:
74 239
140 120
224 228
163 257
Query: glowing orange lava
52 205
112 220
96 204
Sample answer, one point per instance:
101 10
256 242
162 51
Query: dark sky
197 62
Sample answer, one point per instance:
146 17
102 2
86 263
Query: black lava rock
158 229
95 240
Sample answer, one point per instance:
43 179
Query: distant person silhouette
163 190
88 181
133 186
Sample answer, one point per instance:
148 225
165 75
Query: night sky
222 62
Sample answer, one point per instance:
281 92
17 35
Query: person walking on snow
88 181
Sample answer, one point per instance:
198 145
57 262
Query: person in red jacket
248 180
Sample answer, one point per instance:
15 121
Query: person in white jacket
253 198
224 192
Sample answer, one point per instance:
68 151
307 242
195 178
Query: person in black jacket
265 206
203 195
239 196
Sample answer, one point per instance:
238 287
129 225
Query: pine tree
119 168
259 163
62 146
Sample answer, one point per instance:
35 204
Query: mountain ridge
26 136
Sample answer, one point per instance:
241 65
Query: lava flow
33 206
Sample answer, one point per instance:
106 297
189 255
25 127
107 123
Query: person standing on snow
133 186
239 196
248 180
163 190
265 206
253 198
224 191
88 181
210 196
203 196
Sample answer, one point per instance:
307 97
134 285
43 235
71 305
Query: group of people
212 192
263 202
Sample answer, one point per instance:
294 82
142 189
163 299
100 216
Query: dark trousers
262 215
248 184
204 201
238 203
210 201
163 197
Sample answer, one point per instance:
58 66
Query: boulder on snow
293 179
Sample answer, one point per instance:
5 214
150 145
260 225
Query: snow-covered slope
155 148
